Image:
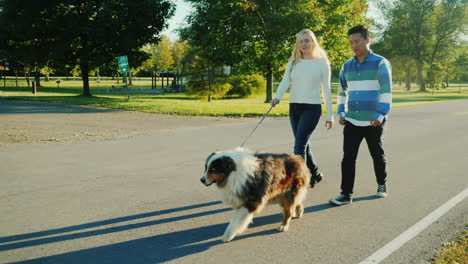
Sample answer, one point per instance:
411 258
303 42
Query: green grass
104 95
455 251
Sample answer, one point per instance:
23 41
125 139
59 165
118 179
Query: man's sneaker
382 191
341 200
316 179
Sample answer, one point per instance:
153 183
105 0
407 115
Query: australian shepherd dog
248 181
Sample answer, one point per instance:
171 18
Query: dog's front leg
238 224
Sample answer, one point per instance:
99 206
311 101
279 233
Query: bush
201 87
245 85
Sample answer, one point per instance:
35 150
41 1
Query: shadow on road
40 241
365 198
159 248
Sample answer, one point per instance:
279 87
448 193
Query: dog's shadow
153 249
276 218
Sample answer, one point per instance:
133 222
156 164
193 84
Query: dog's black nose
202 180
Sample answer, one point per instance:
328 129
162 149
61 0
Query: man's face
358 44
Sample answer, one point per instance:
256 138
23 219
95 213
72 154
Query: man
364 100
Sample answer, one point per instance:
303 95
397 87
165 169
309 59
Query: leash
263 118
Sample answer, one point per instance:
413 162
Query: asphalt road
139 200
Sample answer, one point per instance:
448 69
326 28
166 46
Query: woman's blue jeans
304 118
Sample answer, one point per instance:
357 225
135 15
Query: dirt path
25 122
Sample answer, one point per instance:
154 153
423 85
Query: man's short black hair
359 29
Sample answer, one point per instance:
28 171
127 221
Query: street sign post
125 69
123 64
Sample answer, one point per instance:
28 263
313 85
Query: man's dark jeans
353 136
304 118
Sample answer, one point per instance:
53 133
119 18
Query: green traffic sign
123 64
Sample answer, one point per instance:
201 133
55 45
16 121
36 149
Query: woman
307 74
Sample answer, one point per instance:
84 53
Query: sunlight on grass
109 93
455 251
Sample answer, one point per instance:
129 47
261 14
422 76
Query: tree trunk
84 65
26 75
408 78
269 88
422 82
208 79
85 75
37 78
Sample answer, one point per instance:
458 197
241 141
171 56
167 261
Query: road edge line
410 233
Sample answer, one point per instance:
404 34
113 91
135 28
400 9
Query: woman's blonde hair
316 50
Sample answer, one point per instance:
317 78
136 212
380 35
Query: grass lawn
109 93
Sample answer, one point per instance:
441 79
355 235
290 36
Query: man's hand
375 122
275 102
328 124
342 121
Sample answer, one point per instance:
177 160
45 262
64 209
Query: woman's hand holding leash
274 102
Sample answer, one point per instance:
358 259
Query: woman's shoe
316 179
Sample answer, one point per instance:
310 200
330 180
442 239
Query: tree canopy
426 33
257 36
88 33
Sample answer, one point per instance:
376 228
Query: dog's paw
227 238
282 228
299 213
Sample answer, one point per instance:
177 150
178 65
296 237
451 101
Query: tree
448 24
180 51
459 69
207 79
257 36
47 71
160 56
88 33
424 31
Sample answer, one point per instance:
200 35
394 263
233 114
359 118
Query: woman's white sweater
307 79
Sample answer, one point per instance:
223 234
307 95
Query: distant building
10 66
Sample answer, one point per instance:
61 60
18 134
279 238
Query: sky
183 9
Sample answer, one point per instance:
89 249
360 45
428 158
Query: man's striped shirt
365 90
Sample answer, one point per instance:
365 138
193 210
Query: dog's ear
209 156
229 164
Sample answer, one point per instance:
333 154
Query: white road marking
396 243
